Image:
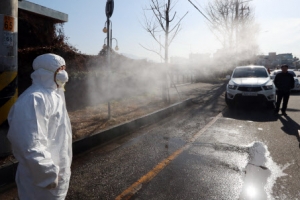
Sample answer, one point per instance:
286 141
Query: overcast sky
279 22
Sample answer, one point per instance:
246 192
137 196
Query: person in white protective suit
40 133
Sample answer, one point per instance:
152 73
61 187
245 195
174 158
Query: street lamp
104 29
105 25
117 46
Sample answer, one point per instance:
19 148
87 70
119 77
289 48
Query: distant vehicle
250 84
291 71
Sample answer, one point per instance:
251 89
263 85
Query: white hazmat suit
41 135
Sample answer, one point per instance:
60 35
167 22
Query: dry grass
94 119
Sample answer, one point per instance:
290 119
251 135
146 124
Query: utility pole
8 67
109 8
108 67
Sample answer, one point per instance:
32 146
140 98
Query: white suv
250 84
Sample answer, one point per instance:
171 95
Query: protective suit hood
50 62
45 66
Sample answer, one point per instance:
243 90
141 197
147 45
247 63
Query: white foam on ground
276 170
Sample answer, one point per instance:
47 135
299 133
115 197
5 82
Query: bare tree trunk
166 97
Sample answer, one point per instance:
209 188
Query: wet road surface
205 152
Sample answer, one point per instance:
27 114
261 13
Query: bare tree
232 21
160 23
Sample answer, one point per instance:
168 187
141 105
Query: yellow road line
129 192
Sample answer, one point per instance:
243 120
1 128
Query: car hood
250 81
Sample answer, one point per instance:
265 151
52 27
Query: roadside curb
102 137
8 171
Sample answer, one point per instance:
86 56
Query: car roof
251 66
275 72
281 70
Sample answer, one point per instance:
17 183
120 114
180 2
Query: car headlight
268 87
233 87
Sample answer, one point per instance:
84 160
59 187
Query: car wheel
229 102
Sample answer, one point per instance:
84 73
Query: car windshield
250 73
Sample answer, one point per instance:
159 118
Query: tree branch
178 22
153 51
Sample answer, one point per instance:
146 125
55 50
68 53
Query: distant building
274 60
286 58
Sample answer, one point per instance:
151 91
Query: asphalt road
205 152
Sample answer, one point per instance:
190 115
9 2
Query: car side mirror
227 77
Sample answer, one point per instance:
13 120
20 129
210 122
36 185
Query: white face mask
61 78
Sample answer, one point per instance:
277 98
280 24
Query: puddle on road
256 174
260 173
